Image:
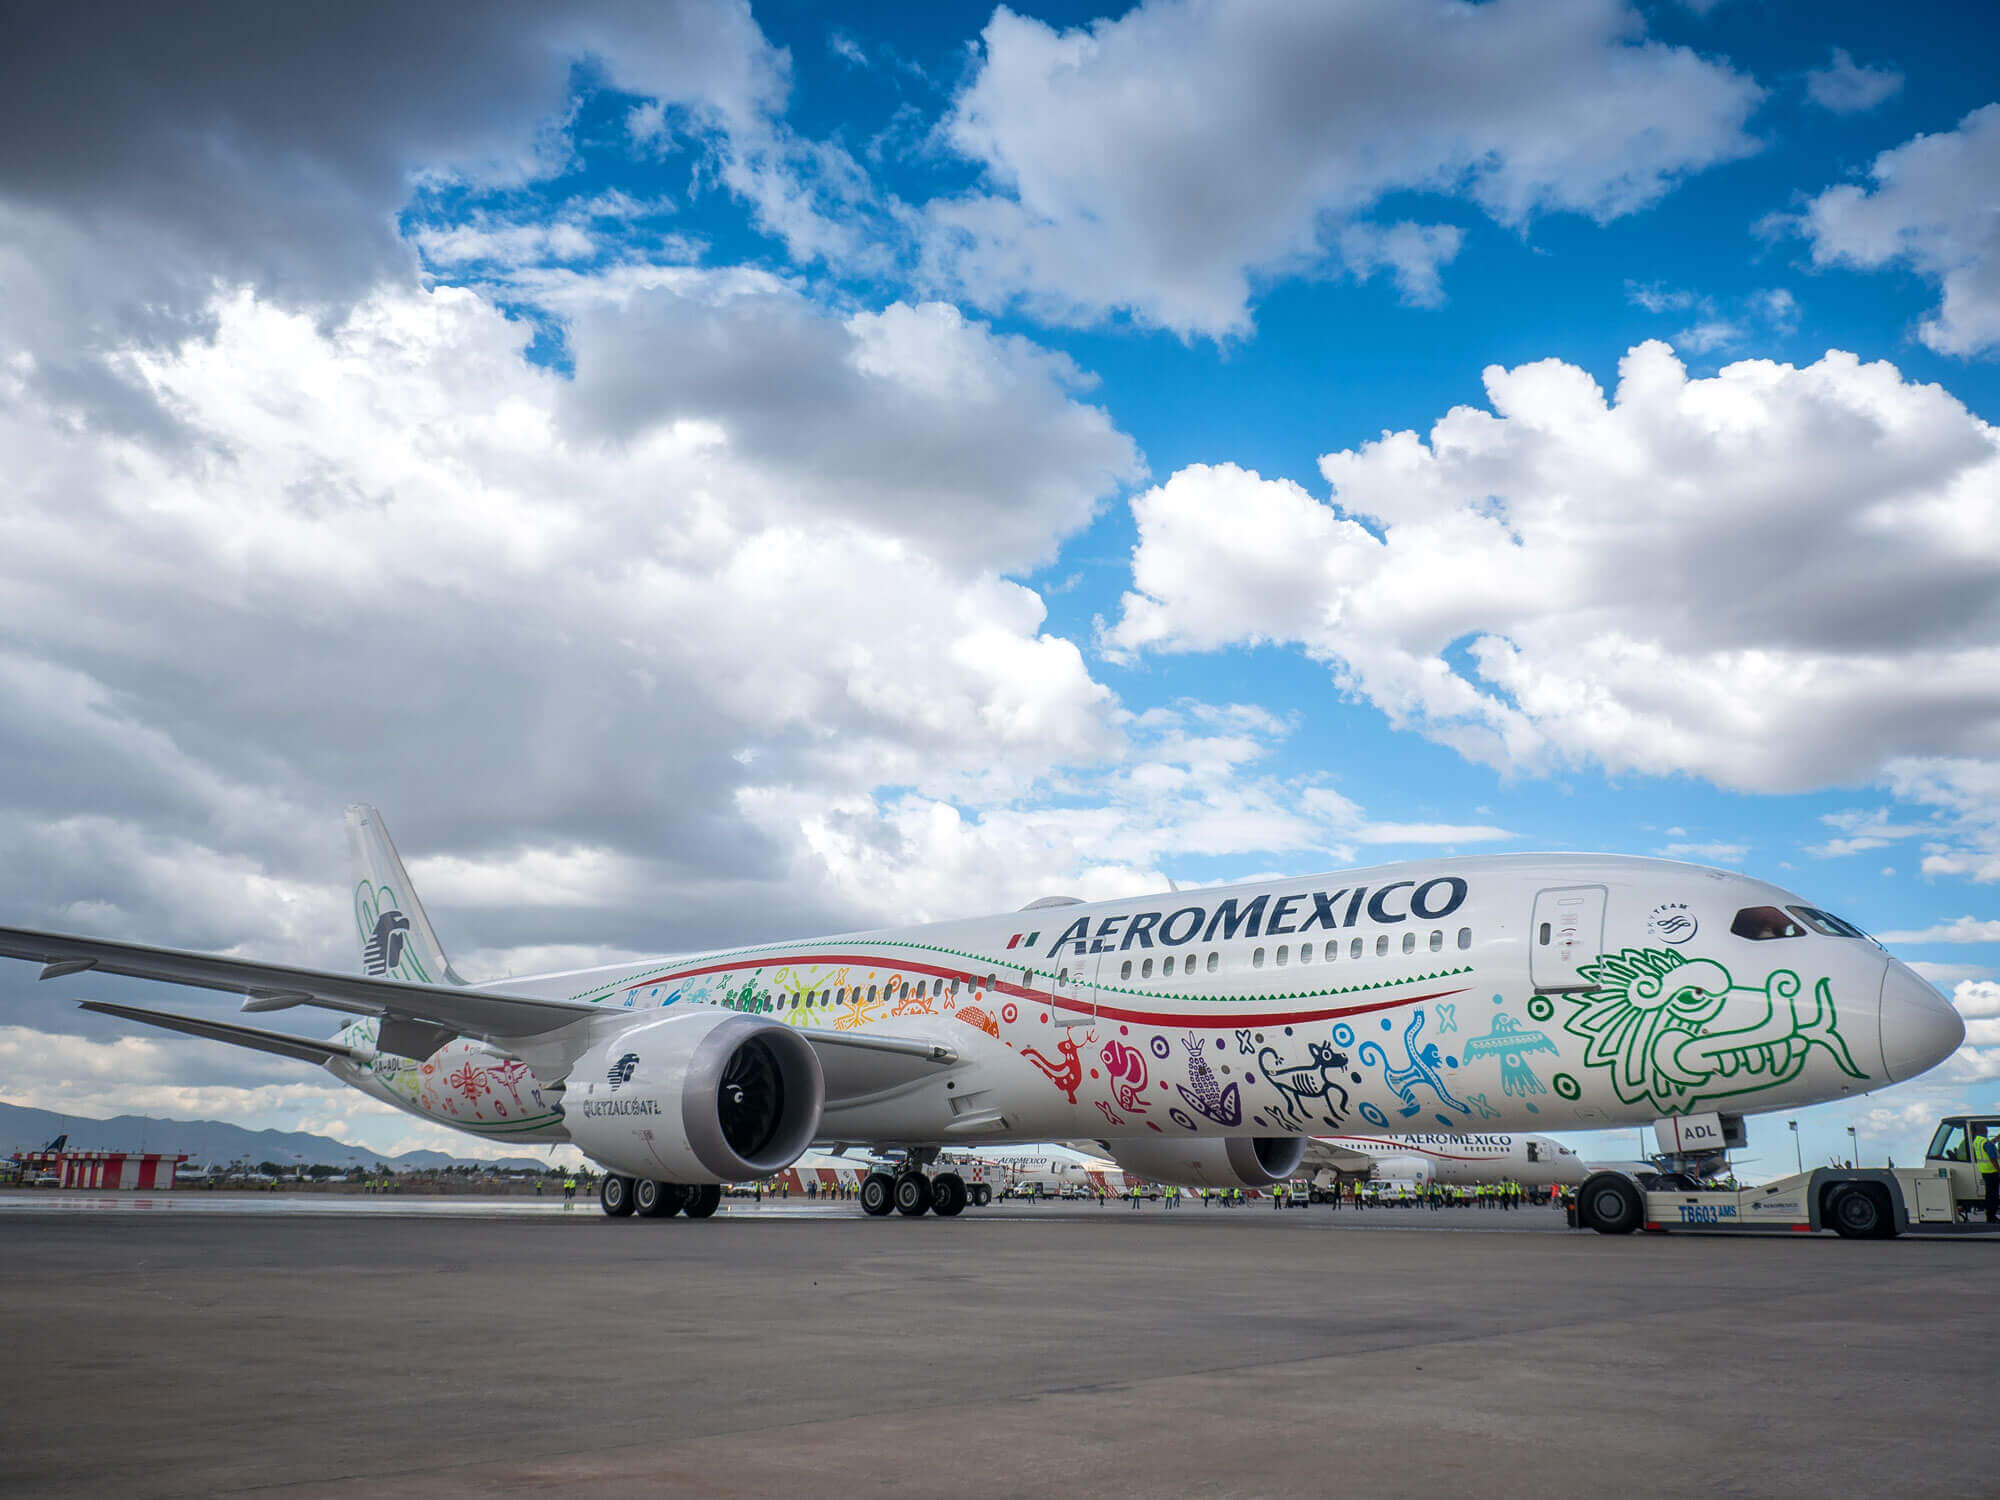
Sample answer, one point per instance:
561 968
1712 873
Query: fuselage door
1075 990
1567 933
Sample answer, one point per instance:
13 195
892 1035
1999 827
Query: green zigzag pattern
983 961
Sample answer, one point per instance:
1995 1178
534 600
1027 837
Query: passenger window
1409 942
1465 937
1214 962
1062 976
1305 953
1382 946
871 993
1355 950
1284 954
1257 959
1761 924
920 989
1543 936
1125 969
1167 966
1146 969
1437 942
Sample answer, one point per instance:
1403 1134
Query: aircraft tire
614 1196
949 1195
878 1194
1609 1202
702 1202
1856 1213
657 1200
913 1195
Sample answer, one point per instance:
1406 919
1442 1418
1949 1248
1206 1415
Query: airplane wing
416 1019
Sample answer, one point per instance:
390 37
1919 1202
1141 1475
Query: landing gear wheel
657 1200
982 1194
878 1194
948 1194
913 1195
615 1196
1856 1214
1610 1204
702 1202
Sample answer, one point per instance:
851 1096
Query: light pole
1797 1152
1853 1148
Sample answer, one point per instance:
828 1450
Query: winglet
397 940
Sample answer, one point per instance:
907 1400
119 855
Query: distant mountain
212 1142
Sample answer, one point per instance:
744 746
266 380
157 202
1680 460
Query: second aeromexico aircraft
1204 1036
1467 1159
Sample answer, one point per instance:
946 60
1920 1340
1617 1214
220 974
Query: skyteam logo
621 1071
1672 922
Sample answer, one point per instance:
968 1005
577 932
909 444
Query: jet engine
699 1097
1231 1162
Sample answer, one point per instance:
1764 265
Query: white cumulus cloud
1774 578
1163 163
1930 208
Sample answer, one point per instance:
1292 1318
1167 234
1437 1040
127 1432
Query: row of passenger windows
839 995
1329 952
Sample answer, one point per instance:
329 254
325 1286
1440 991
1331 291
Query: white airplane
1203 1035
1448 1160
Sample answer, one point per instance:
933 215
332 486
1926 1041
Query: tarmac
1018 1350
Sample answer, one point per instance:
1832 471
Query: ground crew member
1135 1197
569 1191
1986 1155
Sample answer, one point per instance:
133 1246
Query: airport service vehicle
1854 1202
1204 1035
1468 1160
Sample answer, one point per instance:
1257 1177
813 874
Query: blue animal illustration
1509 1042
1423 1068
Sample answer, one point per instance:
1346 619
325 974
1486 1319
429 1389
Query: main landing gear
912 1194
622 1196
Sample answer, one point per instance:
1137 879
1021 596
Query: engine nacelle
1235 1161
702 1096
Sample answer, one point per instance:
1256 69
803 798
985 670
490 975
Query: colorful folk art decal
972 1015
1126 1068
1424 1068
1066 1075
1674 1031
1204 1092
1508 1042
1307 1092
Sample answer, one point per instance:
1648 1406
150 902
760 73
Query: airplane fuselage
1492 994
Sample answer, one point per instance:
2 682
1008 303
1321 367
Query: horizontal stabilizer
303 1049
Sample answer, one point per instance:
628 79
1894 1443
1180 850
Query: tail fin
397 941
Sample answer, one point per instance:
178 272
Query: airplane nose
1920 1028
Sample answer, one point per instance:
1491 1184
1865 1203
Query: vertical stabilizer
397 941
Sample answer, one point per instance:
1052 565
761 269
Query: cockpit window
1762 923
1825 922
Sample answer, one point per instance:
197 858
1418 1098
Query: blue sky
709 471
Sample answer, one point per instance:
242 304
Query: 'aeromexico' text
1267 916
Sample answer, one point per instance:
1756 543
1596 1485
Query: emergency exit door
1567 933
